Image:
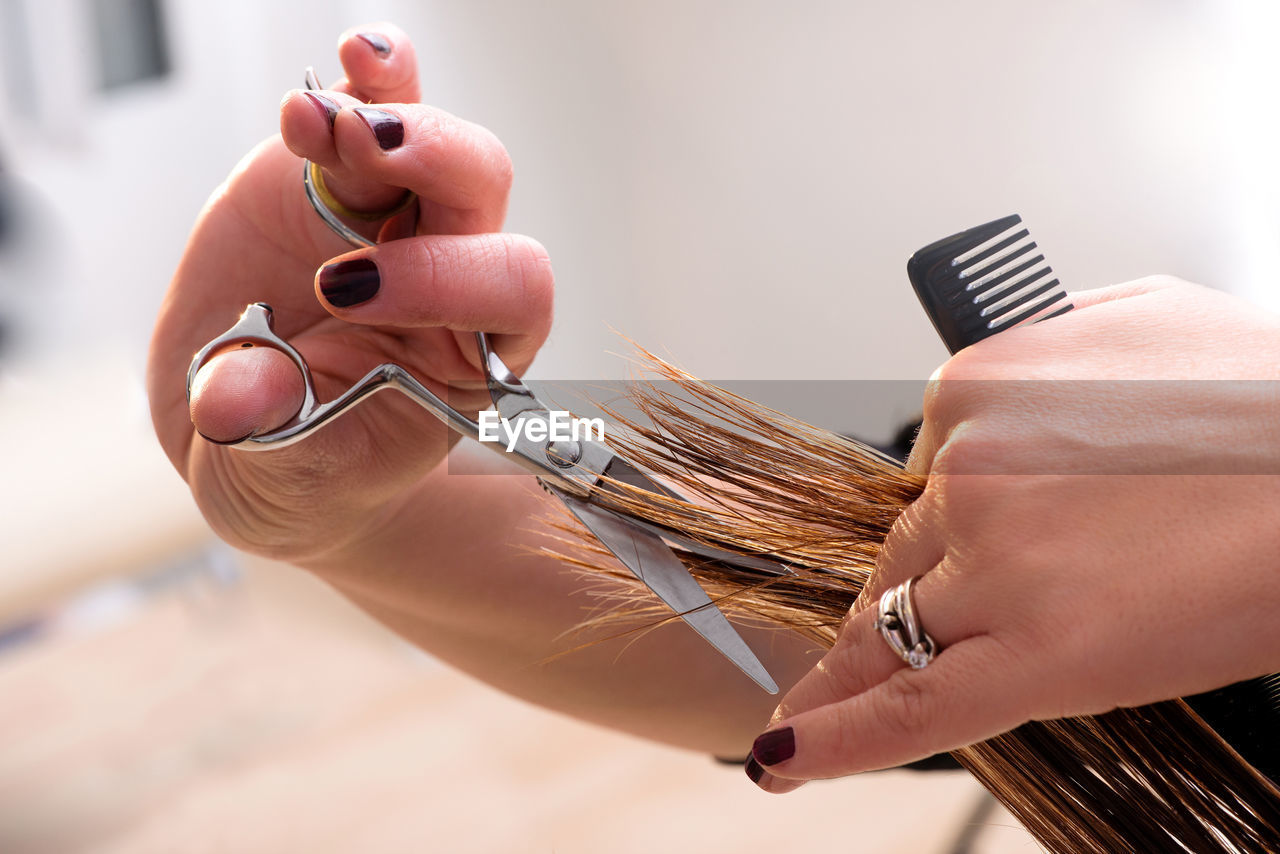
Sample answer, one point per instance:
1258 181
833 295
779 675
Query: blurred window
130 40
15 54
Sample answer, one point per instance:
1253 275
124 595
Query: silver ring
899 627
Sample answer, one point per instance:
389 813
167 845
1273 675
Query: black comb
985 280
992 278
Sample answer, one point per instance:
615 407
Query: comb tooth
1028 299
1008 292
997 254
1000 280
1057 311
1008 282
971 263
1029 308
1002 287
976 239
984 280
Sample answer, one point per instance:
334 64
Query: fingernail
350 282
387 127
753 769
376 41
775 746
327 106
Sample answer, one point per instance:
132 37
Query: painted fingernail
775 746
753 769
387 127
350 282
378 42
327 106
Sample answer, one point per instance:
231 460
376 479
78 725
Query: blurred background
736 186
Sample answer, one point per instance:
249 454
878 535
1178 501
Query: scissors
577 471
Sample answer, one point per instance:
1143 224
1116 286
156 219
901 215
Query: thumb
243 392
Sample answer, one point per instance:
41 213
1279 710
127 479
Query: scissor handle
255 327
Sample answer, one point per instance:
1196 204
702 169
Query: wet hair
758 482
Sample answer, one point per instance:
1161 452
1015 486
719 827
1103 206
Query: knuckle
1162 281
843 630
498 162
423 264
840 666
422 267
906 707
486 170
431 138
967 450
951 393
845 735
963 366
528 267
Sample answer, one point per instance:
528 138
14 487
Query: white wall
737 185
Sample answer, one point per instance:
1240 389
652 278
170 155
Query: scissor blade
653 562
624 472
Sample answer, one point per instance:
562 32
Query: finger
985 360
245 392
381 66
460 167
757 774
928 440
932 433
380 63
911 715
912 547
496 283
859 661
861 658
1125 290
306 125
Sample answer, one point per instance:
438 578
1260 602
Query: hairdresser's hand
441 272
1084 543
447 562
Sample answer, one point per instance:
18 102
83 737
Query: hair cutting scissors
577 471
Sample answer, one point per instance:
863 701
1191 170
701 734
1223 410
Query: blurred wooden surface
88 493
267 715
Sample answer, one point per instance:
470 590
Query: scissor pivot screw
564 454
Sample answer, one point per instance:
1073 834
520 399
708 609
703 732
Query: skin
367 504
1175 587
1177 571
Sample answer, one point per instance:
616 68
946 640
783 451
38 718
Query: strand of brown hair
759 482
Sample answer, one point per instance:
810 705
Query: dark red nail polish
376 41
387 127
775 746
327 106
349 283
753 769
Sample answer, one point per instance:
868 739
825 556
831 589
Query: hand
440 273
1085 542
449 563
